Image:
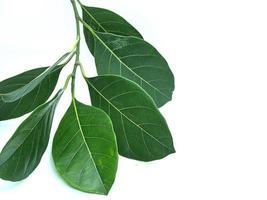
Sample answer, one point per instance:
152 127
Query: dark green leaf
142 132
24 150
25 89
105 21
135 59
85 150
33 99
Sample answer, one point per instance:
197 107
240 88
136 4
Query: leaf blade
27 88
23 152
134 116
106 21
137 60
91 141
33 99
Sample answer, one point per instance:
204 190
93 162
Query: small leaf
135 59
20 92
23 152
142 132
33 99
105 21
84 149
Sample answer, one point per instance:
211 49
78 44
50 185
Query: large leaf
142 132
137 60
23 152
29 102
84 149
25 89
105 21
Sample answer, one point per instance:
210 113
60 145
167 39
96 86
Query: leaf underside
142 132
84 149
105 21
23 152
32 100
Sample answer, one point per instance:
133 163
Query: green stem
73 76
77 60
67 81
87 26
79 2
82 70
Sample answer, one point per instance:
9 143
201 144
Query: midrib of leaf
20 81
141 128
84 140
125 65
29 133
26 86
93 18
37 77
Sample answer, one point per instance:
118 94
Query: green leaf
105 21
20 92
23 152
33 99
142 132
84 149
137 60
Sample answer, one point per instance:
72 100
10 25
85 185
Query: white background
218 116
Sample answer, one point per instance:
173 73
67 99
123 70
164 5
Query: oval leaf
32 100
137 60
142 132
84 149
20 92
105 21
23 152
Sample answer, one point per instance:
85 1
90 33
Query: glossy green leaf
142 132
105 21
84 149
25 89
137 60
23 152
27 103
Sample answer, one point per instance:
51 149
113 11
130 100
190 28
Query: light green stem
77 60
